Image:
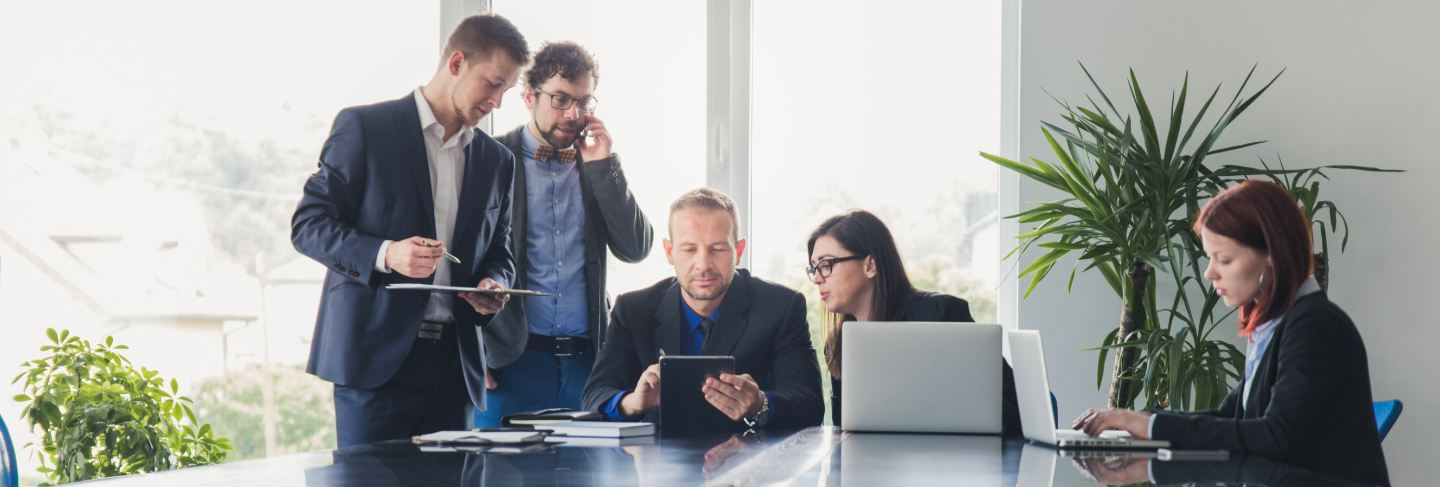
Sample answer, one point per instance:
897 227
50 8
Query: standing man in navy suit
399 184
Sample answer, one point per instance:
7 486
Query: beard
706 294
555 138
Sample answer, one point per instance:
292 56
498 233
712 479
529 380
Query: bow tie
546 153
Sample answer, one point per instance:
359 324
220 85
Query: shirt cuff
1150 428
380 257
612 408
770 415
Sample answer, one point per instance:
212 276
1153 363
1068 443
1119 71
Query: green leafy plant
1129 195
1304 185
99 416
1131 198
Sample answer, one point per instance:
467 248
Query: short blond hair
709 199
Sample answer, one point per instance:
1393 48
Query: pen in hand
444 252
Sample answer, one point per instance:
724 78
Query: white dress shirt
447 172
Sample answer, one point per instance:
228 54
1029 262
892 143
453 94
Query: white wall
1359 88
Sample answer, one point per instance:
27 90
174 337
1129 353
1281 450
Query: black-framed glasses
561 101
824 267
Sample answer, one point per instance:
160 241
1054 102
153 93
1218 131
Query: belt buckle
564 346
431 330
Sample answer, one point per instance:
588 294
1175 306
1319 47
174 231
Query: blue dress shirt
554 245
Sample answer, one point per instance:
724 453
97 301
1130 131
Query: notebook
549 416
599 429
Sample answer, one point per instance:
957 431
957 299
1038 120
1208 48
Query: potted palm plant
1130 188
1131 197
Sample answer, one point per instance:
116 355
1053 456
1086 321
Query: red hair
1263 216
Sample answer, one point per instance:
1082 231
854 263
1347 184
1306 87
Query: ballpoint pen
450 257
443 252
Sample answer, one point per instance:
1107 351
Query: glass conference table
815 456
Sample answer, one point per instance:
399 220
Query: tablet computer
683 407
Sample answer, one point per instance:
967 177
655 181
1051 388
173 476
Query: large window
652 98
151 154
882 109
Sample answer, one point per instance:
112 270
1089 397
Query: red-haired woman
1305 398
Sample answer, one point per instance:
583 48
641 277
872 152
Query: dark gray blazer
761 324
612 220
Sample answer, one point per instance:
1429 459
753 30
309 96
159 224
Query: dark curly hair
565 59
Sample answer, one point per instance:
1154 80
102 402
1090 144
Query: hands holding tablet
646 395
738 396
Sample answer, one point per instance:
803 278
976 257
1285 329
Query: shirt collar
528 142
1309 286
430 125
693 319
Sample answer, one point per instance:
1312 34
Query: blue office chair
1386 412
9 472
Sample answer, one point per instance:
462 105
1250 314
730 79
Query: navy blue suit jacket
373 184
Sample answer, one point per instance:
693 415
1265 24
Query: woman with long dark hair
1305 398
856 265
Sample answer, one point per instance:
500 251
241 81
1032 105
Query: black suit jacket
372 185
613 221
935 307
1309 405
762 324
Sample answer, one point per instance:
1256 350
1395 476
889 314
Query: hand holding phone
597 149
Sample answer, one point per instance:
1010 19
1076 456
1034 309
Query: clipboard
458 289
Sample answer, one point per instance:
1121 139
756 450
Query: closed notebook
600 429
549 416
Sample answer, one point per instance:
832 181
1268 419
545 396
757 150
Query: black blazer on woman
935 307
1310 405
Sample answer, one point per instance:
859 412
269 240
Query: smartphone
584 132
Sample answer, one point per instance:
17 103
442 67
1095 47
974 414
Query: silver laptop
1032 390
920 377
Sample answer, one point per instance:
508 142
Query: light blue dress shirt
554 245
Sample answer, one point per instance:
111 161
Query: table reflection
1038 467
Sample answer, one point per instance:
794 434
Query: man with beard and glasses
710 308
573 203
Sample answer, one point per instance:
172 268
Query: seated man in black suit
777 381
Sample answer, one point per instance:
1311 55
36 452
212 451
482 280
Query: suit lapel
668 319
734 317
473 194
520 207
413 156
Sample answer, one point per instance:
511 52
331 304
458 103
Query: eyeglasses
561 101
825 267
